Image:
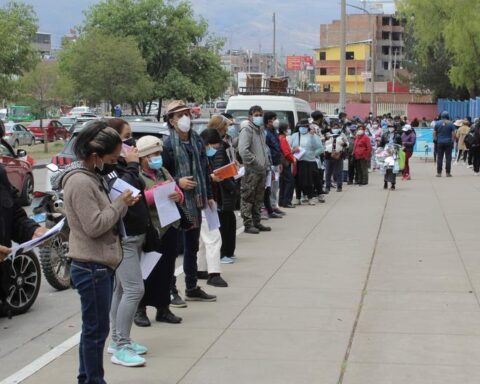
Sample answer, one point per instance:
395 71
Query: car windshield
221 104
67 120
286 116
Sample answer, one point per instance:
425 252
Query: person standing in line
227 198
253 150
435 143
311 146
462 131
362 152
335 148
94 242
352 174
129 287
157 284
444 134
185 159
408 141
317 126
475 149
287 182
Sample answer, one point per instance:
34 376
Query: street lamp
372 57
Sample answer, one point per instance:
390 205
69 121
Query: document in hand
148 261
211 215
241 173
28 245
166 208
120 186
298 155
227 171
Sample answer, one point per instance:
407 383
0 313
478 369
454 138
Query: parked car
219 107
16 134
68 121
196 111
79 111
55 130
139 129
19 171
198 125
138 118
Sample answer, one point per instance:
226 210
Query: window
397 50
396 64
396 36
323 71
395 22
323 56
385 65
385 35
385 49
385 21
351 71
350 55
326 87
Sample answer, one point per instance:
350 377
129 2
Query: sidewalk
373 287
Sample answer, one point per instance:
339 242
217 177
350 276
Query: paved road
372 287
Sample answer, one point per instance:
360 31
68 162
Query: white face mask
276 124
184 124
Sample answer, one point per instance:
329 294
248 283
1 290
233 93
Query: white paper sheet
148 260
19 248
211 215
167 210
120 186
241 173
298 155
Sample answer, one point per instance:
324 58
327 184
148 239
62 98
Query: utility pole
274 45
343 96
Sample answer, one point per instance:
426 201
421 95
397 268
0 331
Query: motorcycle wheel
25 276
55 263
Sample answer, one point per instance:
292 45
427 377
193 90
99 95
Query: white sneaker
476 173
469 166
298 202
311 202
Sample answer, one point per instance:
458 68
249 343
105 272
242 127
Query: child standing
390 175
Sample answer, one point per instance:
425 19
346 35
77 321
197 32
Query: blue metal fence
459 109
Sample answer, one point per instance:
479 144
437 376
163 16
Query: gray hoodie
253 148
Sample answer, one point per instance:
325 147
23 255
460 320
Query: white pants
208 256
275 187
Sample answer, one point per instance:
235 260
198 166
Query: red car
55 130
19 170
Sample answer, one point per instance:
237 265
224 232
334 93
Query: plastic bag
401 159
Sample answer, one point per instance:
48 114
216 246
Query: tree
17 55
105 67
39 84
445 43
182 58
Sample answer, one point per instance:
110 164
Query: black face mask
130 141
106 169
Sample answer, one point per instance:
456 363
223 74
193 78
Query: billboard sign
299 63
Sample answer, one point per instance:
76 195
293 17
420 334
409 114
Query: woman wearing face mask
94 242
391 136
157 285
227 198
335 150
129 287
362 151
312 146
211 240
185 158
287 182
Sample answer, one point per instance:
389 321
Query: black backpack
469 140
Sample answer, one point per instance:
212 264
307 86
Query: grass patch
37 151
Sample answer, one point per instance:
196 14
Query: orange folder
229 170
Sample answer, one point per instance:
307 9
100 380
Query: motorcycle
48 209
20 281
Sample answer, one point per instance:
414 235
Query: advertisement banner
424 145
299 63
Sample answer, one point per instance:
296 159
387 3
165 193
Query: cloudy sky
244 23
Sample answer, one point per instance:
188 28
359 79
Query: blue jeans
333 168
94 283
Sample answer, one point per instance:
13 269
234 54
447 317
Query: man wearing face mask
362 152
271 127
254 153
185 158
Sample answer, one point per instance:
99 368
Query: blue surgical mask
303 130
155 162
211 152
336 131
232 131
258 121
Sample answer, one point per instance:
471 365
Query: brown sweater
92 219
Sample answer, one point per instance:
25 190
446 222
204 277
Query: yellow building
327 71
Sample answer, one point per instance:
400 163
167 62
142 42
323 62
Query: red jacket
286 150
362 149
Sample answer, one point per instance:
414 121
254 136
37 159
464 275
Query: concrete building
327 72
43 42
235 61
386 31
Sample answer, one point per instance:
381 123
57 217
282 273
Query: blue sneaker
227 260
128 358
137 348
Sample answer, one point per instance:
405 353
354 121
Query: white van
287 108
